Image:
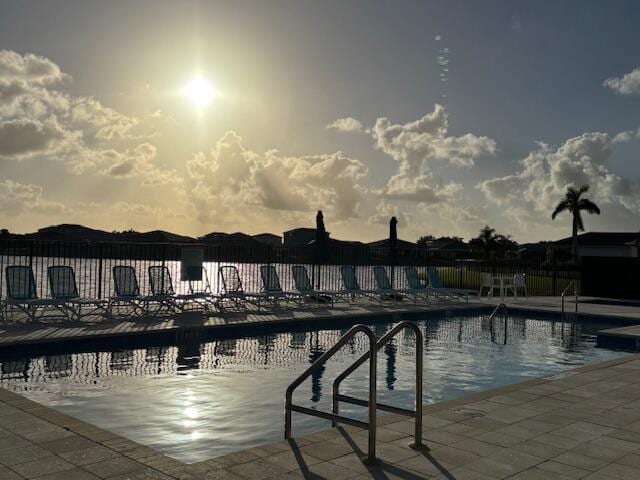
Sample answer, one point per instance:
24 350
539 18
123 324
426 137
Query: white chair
520 282
487 281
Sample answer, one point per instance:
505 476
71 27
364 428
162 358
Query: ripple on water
200 400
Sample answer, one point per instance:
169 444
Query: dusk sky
246 116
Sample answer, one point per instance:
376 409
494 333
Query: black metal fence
93 263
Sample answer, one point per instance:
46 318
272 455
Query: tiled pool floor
582 424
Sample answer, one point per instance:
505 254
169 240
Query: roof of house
447 244
595 239
385 243
266 235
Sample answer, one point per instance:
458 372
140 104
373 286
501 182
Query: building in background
604 244
269 238
298 237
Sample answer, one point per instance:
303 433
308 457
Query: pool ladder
573 284
505 314
502 307
371 404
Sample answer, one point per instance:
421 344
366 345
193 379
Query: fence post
31 254
460 274
100 255
554 277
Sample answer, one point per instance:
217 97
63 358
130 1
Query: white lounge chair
63 287
305 288
488 282
23 296
519 283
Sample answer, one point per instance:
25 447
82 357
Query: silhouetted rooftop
602 238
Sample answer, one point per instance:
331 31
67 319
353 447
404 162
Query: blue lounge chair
63 287
23 296
438 287
384 286
162 290
234 291
416 287
271 287
305 288
127 292
202 292
352 287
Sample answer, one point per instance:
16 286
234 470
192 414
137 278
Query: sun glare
200 92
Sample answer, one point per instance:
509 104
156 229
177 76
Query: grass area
539 283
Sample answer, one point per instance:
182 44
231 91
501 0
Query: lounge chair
271 287
488 282
22 294
162 290
519 283
202 292
303 286
384 286
352 287
127 292
234 291
438 287
416 287
63 287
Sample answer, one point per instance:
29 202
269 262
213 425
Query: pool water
198 399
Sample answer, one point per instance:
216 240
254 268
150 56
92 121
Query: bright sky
249 116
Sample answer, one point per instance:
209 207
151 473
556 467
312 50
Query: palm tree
574 204
489 242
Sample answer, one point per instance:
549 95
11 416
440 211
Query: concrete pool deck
43 332
97 327
584 423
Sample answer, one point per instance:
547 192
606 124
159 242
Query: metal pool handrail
371 424
417 412
575 292
495 311
502 307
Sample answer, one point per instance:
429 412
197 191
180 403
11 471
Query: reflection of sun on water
190 415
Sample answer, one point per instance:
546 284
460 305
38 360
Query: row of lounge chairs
22 293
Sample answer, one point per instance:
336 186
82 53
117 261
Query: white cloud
23 137
136 162
19 199
418 189
28 68
245 183
415 145
38 120
547 172
385 210
346 124
628 84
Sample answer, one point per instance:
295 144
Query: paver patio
581 424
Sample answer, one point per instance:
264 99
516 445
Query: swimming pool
201 398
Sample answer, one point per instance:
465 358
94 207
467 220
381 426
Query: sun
200 92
